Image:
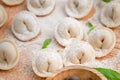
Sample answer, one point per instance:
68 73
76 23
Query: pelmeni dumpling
67 30
12 2
103 40
78 52
41 7
46 63
3 16
110 14
79 8
25 26
8 54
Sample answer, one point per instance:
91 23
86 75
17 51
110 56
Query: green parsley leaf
58 50
90 26
107 1
109 73
90 30
46 43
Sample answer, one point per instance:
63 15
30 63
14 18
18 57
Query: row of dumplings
76 51
74 8
38 7
68 33
109 16
9 54
79 9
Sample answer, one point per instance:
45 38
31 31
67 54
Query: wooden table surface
15 73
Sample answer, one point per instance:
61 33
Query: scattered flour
29 49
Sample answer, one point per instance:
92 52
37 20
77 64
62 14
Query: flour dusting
28 49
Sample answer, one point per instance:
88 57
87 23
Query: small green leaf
109 73
58 50
107 1
90 30
90 26
46 43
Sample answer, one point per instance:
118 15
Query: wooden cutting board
16 73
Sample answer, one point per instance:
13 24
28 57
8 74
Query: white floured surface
48 25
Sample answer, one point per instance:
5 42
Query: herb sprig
90 26
106 1
46 43
109 73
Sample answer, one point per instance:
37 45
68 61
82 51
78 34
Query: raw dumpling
79 8
110 14
25 26
78 52
67 30
12 2
8 54
103 40
46 62
41 7
3 16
